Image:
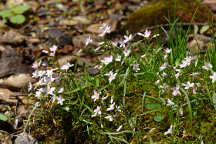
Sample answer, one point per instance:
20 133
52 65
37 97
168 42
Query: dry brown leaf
75 20
12 37
12 3
95 28
198 44
22 111
210 3
5 138
79 40
18 80
63 60
7 96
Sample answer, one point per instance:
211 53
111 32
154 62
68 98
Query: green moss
158 12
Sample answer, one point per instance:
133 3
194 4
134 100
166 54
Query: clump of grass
138 92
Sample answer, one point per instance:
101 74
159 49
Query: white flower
97 111
111 76
128 38
111 100
122 44
136 67
169 131
45 80
109 117
61 90
164 86
36 64
115 44
118 58
104 98
143 56
194 90
98 66
163 66
198 84
95 96
186 61
126 52
105 29
178 72
188 85
52 54
165 56
53 48
157 82
176 91
50 91
146 34
118 108
119 128
45 51
101 43
177 75
30 87
181 111
66 66
164 74
38 73
167 50
88 41
51 79
107 60
194 74
208 66
49 73
44 64
39 92
170 102
213 77
111 107
60 100
156 35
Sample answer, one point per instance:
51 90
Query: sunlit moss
158 12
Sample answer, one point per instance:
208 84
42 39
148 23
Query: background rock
157 12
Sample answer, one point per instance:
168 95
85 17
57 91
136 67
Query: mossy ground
145 114
167 11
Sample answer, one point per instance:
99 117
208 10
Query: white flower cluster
209 67
46 78
112 108
52 51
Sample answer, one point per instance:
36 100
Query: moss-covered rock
165 11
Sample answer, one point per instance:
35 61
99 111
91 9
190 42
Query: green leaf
6 13
153 106
158 117
20 9
214 100
177 62
196 29
204 29
4 20
17 19
3 117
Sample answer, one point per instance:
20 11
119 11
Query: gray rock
24 138
12 63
